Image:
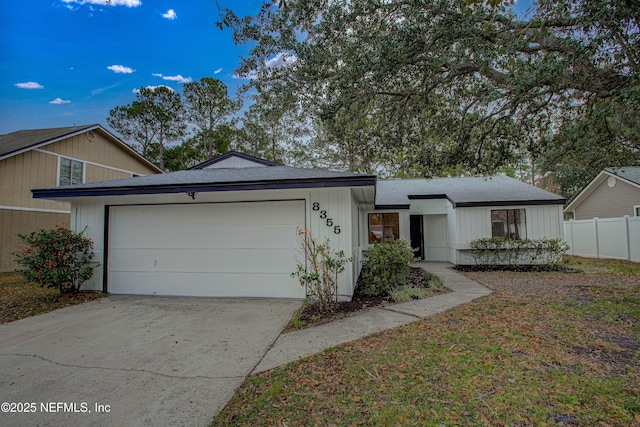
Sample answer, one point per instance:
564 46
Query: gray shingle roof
630 173
16 141
496 190
203 180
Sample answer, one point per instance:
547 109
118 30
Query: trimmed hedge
501 251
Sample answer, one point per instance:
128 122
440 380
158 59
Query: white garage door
221 250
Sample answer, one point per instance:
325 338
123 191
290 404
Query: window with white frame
509 224
71 172
636 210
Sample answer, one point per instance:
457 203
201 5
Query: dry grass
20 299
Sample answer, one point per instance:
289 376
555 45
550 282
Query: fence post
571 233
627 245
595 224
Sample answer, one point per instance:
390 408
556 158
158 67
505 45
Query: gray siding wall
609 202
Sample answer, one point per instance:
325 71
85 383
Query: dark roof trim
476 204
65 192
510 203
426 196
431 197
234 153
380 207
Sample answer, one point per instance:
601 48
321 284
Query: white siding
452 233
356 249
335 206
88 215
543 222
472 223
428 206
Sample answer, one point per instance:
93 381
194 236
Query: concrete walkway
295 345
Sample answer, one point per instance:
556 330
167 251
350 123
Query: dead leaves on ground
19 299
544 349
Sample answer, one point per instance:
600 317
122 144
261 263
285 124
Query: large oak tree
416 87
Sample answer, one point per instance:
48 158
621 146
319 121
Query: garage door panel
202 260
258 236
224 250
251 213
203 284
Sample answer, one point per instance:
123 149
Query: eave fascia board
510 203
389 207
70 192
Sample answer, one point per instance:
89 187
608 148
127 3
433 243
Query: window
509 223
636 210
383 226
70 172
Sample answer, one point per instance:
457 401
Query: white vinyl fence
604 238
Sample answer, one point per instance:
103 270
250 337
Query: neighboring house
614 193
55 157
227 228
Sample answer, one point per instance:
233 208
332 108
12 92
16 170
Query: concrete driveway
134 360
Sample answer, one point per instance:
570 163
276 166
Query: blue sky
67 62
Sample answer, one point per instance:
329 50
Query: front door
417 235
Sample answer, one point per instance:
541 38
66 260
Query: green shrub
386 267
500 251
57 258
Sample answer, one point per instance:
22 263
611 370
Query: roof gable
629 174
22 141
235 159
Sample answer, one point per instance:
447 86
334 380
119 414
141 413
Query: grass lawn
545 349
20 299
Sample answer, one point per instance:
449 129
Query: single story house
49 158
227 228
614 193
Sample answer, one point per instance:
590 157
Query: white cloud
29 85
152 88
280 59
60 101
100 90
177 78
171 14
120 69
127 3
218 71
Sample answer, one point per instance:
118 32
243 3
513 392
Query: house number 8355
323 215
